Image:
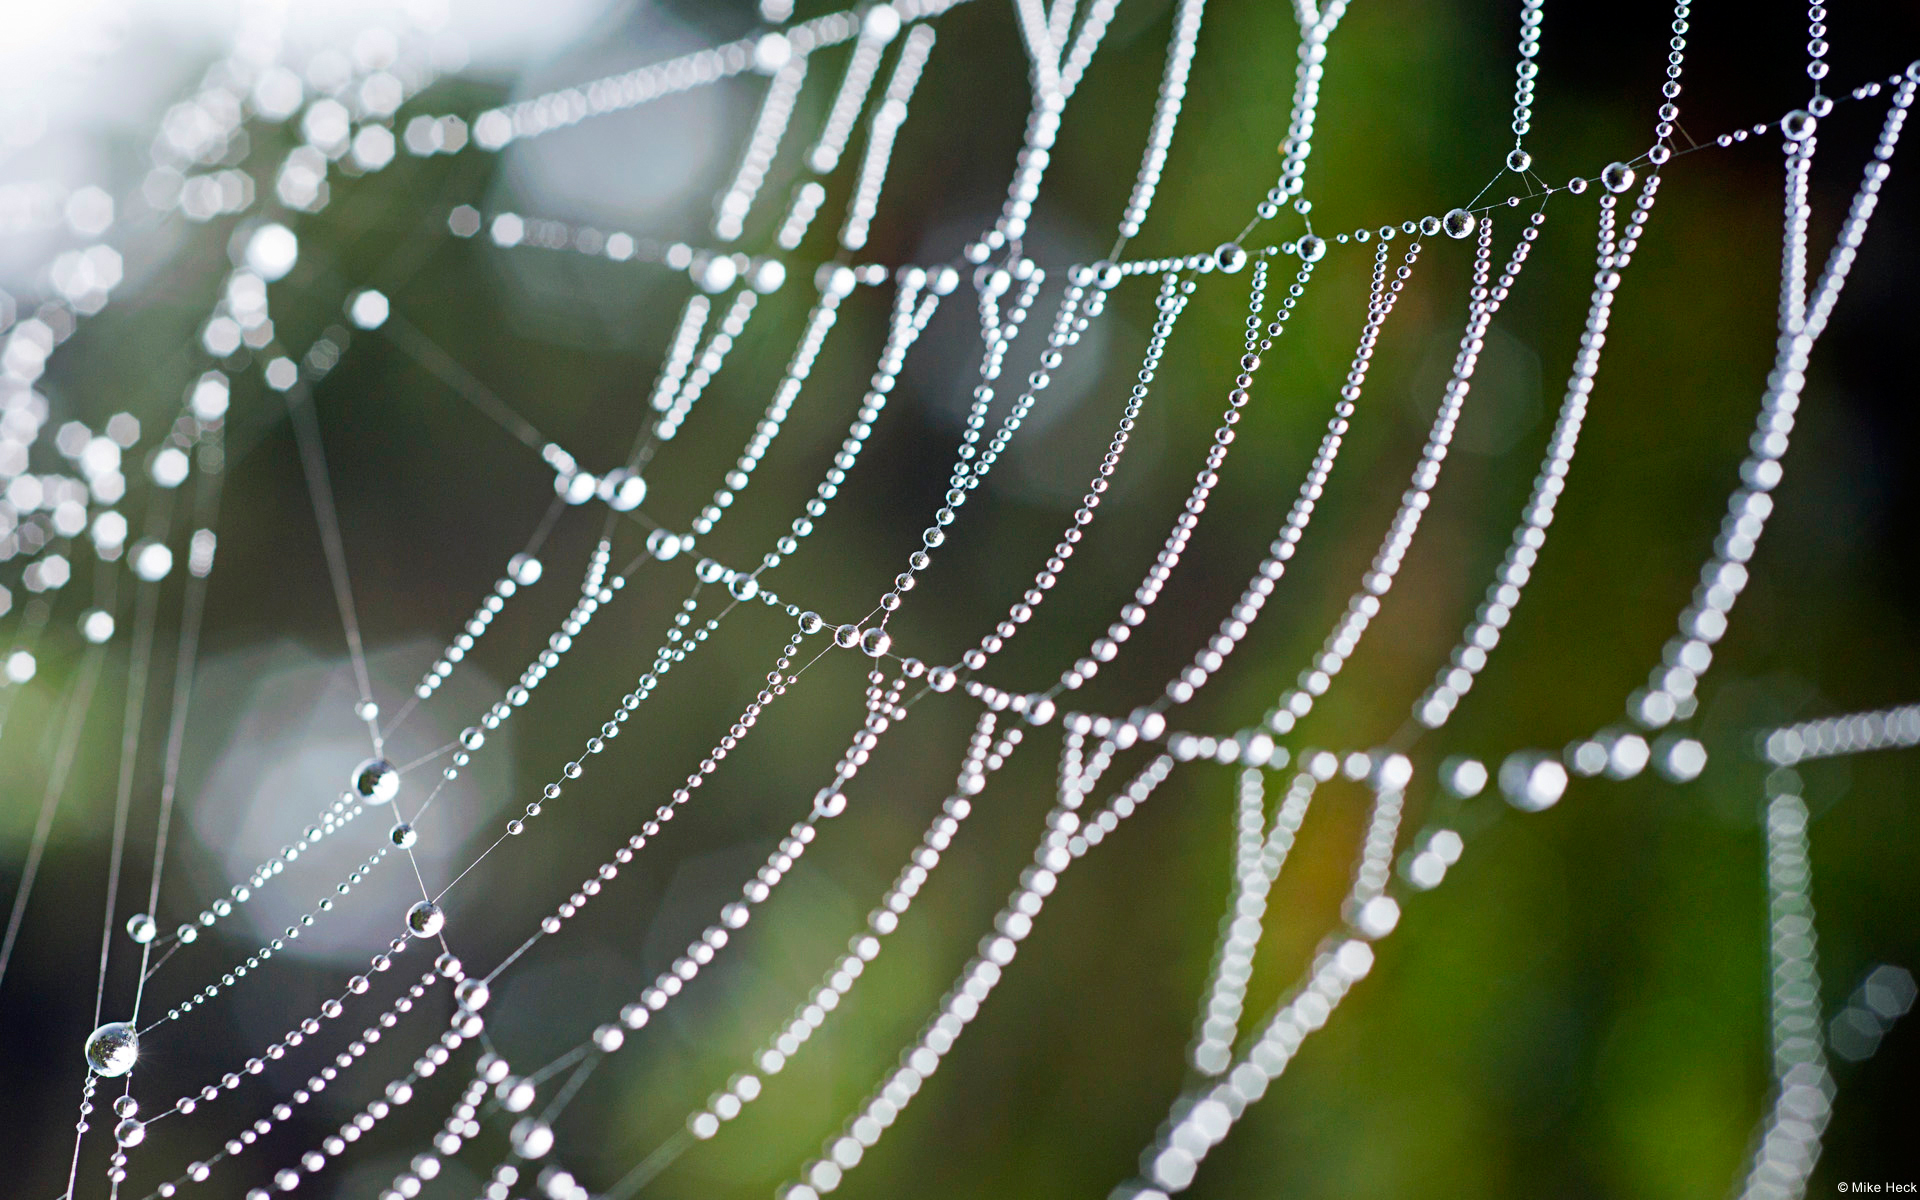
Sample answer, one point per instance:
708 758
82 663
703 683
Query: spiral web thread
888 47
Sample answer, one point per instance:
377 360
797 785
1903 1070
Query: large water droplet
1458 223
425 919
472 994
531 1138
376 781
525 569
112 1049
1532 782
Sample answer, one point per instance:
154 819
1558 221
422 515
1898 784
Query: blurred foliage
1579 1011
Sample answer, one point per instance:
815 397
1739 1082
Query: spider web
809 226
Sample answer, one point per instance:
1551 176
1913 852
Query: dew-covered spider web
358 894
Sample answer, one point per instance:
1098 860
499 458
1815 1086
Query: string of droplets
985 755
1199 1122
710 270
1054 86
532 1137
1383 291
879 28
516 1094
732 325
1469 656
1166 114
1377 916
1169 304
776 109
427 916
1067 839
1802 319
885 127
1105 648
596 590
394 1096
377 781
1364 605
1259 855
495 128
522 569
907 325
999 332
344 809
252 962
1525 72
680 351
132 1130
1790 1135
1830 737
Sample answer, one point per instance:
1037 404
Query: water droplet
130 1132
1458 223
376 780
516 1095
623 490
1797 125
112 1048
532 1138
1311 248
472 994
403 836
1429 225
425 919
1617 177
1229 257
663 545
472 738
525 569
1518 159
141 928
1532 782
874 642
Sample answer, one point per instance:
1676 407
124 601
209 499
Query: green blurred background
1580 1010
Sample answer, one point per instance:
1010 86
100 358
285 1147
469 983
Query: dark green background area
1580 1010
